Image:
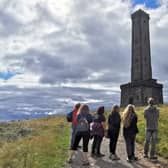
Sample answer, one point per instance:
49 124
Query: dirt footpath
105 162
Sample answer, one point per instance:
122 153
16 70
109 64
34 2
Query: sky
147 3
67 51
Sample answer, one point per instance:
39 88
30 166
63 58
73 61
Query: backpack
83 125
97 129
69 116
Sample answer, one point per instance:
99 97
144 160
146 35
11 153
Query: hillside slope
162 146
163 129
43 143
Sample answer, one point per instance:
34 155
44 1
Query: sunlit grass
46 147
162 146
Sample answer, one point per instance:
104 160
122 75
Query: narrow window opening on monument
136 60
146 99
131 100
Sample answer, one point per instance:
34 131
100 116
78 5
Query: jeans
113 141
96 144
130 145
73 135
150 135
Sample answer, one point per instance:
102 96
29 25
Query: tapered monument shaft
141 55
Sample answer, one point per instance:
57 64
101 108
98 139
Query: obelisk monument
142 85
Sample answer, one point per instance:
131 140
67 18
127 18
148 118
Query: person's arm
109 120
136 119
145 113
89 118
158 113
78 117
103 122
104 125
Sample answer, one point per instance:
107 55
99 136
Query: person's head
77 106
151 101
127 115
130 108
84 109
100 110
115 108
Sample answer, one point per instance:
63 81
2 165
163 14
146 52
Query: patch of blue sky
7 75
148 3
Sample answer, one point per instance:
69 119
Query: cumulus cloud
76 43
70 47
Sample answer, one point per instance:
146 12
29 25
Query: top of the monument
140 13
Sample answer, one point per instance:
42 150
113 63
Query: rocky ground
105 162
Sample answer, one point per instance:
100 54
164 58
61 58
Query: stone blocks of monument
142 85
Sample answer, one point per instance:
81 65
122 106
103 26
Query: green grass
162 146
46 147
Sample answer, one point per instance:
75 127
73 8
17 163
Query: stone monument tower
142 86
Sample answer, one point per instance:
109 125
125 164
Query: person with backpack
151 115
97 131
114 121
130 130
72 117
84 118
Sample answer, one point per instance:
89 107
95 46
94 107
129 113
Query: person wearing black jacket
130 130
114 121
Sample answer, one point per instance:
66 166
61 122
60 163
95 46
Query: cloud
66 50
76 43
26 103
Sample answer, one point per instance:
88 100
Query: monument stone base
138 92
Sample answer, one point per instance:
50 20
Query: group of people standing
87 126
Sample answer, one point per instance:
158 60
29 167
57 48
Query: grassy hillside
44 147
163 129
162 146
43 143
